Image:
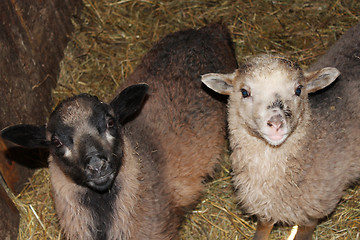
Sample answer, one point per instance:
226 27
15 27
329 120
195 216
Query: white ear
220 83
320 79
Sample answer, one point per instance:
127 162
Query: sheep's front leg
305 232
263 230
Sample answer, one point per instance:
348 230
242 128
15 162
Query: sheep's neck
263 174
77 219
126 201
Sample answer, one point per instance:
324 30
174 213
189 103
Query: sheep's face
268 95
270 98
85 141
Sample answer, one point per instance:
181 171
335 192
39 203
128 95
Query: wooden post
33 36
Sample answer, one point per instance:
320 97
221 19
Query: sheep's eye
56 141
298 90
110 123
244 93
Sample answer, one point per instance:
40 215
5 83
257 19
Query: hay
109 41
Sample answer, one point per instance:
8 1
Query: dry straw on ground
112 36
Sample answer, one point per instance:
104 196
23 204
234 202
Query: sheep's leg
305 232
263 230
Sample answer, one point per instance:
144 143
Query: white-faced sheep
118 173
293 155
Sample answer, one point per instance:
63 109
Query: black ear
129 101
28 136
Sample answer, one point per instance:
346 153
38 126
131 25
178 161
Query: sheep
132 168
293 154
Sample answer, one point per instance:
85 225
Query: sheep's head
85 141
83 136
269 94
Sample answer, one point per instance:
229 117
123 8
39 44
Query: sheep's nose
276 122
97 164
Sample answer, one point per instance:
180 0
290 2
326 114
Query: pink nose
275 122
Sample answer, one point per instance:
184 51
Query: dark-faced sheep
118 173
294 156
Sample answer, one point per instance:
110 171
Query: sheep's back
336 109
180 132
335 150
